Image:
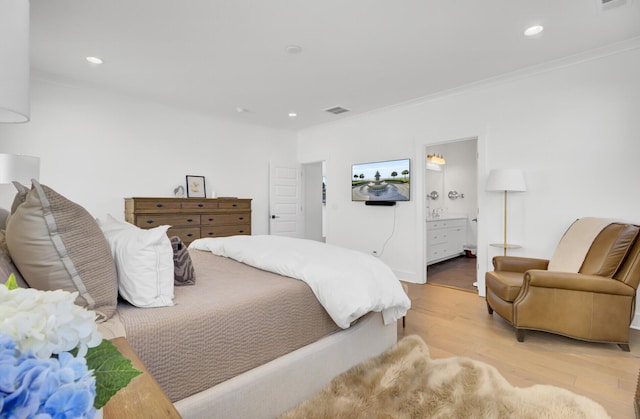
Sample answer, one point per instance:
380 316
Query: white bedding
346 282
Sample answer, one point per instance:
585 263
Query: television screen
381 181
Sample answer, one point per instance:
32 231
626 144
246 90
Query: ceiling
215 56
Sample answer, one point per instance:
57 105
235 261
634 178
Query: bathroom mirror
434 186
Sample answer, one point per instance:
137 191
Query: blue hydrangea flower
32 387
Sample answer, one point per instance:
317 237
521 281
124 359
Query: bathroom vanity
445 238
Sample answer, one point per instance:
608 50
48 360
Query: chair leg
520 335
624 347
403 321
489 309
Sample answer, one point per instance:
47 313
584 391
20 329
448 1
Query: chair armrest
576 282
518 264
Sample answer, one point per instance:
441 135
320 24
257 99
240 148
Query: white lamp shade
18 168
506 180
14 61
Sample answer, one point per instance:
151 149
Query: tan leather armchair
596 304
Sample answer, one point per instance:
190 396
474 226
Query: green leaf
11 282
112 371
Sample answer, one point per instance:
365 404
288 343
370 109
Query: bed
268 322
247 342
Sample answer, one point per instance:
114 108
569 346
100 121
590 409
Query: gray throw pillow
183 272
57 244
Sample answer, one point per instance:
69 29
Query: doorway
451 179
314 200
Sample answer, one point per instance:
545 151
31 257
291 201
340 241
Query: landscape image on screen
381 181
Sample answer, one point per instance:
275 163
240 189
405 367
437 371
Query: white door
284 200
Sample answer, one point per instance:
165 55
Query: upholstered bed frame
275 387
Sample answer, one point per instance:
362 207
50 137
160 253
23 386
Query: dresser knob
149 221
234 205
210 233
201 205
159 205
240 218
190 220
241 231
210 219
189 234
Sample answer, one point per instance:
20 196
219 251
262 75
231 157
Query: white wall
574 129
97 148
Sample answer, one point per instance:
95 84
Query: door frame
481 251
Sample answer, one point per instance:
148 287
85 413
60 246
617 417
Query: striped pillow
183 272
56 244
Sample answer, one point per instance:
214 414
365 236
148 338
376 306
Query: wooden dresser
191 218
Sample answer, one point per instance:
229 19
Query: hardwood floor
456 323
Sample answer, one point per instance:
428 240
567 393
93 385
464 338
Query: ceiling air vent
604 5
336 110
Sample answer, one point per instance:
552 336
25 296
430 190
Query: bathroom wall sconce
436 158
455 195
433 195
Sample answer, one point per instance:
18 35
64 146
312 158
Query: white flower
47 322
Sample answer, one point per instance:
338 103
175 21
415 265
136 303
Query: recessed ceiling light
240 109
292 114
94 60
533 30
293 49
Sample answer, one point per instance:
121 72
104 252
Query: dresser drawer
223 219
154 220
227 230
235 204
155 205
199 204
186 234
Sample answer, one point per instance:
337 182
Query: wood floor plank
456 323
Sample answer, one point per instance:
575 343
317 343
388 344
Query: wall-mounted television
388 181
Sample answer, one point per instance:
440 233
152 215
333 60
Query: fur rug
405 382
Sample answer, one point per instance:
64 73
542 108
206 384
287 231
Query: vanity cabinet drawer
444 224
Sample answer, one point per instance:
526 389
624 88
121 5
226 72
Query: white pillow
144 262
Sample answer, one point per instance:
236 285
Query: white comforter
346 282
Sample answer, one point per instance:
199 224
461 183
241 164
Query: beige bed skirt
275 387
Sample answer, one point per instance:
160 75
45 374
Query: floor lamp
14 56
506 180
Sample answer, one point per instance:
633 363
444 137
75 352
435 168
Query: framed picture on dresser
195 187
